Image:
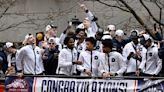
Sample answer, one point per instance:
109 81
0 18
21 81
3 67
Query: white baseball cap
111 27
52 40
48 27
106 32
80 26
8 44
119 32
146 36
106 37
134 33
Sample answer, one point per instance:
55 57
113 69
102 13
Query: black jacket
50 64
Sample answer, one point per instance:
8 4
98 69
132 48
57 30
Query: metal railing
93 77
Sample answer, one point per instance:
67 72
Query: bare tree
5 5
124 6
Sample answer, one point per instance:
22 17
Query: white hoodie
65 61
93 66
30 60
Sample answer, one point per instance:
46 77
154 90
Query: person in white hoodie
132 54
90 58
89 23
67 60
29 60
152 64
80 42
112 62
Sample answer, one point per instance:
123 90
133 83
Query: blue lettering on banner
113 87
86 86
55 86
61 85
66 86
79 86
100 86
72 88
43 86
94 86
123 87
49 86
104 88
82 87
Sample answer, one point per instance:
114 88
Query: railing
87 77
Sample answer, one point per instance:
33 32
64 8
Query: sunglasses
51 43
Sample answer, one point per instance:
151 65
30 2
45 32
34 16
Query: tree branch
137 18
6 9
151 15
13 25
162 4
4 12
113 6
160 17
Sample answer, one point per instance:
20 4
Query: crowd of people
86 50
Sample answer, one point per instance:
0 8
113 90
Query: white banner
48 84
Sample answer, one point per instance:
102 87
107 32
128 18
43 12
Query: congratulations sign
50 84
82 85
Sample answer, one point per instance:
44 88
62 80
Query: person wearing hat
119 41
50 57
89 23
106 35
29 60
152 64
51 31
132 54
11 57
111 29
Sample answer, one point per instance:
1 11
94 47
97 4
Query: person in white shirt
119 40
80 42
111 29
152 64
89 23
112 62
90 58
51 31
11 57
12 53
67 60
131 54
29 60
